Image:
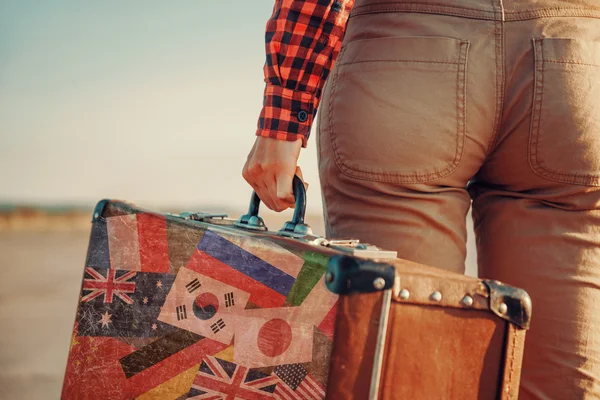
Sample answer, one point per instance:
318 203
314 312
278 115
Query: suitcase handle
295 227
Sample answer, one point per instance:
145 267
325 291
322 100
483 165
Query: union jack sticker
219 379
108 286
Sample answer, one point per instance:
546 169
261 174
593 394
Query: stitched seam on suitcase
512 365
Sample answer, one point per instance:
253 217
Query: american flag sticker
229 299
181 313
193 285
297 384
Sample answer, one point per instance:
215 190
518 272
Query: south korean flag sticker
203 305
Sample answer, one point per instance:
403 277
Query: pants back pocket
564 142
396 111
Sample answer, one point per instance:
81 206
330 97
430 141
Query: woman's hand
270 170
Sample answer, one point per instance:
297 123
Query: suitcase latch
358 249
199 216
344 242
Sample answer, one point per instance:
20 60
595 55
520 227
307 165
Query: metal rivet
404 294
329 277
503 308
436 296
467 301
379 283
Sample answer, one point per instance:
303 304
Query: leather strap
515 340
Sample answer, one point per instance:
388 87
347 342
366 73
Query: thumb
284 187
299 173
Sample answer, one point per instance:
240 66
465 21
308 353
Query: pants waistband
498 10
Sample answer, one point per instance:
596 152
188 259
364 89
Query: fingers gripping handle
295 227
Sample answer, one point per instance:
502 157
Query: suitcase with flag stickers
198 306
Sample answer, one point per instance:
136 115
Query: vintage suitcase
408 331
197 306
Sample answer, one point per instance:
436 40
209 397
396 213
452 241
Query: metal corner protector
510 303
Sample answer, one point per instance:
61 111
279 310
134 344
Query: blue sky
155 102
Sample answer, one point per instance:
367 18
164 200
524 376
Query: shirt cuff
286 114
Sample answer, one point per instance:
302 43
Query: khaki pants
433 104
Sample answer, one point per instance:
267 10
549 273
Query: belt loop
498 7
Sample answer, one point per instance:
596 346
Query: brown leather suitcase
408 331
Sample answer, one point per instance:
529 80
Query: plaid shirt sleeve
303 39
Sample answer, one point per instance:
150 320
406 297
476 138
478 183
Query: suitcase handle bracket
346 274
296 227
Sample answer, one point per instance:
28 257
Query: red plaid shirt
303 39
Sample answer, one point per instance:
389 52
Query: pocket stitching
534 161
536 108
571 62
414 177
